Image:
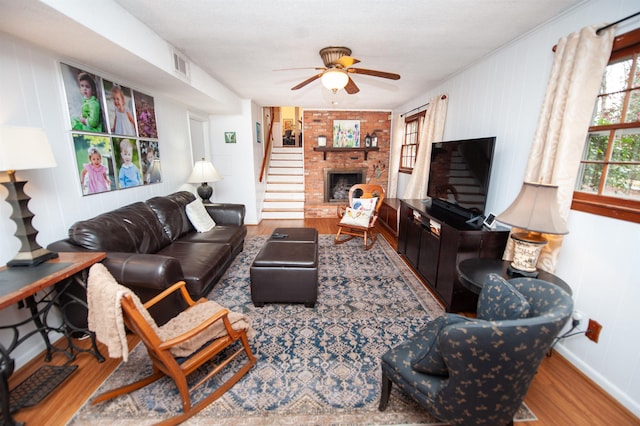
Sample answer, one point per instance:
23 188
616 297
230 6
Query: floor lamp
24 148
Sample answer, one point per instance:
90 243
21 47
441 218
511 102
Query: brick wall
320 123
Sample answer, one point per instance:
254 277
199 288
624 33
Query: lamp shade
535 209
24 148
334 79
203 171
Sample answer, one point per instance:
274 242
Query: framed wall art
346 133
229 137
114 133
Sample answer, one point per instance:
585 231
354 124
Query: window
608 182
410 144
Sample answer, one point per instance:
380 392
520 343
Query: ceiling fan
337 68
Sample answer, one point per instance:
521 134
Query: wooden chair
357 220
164 363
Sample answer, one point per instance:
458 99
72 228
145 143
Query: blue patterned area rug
315 366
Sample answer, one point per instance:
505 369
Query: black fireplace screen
337 183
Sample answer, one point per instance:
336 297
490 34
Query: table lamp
204 172
536 211
24 148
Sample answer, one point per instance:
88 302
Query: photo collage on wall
114 133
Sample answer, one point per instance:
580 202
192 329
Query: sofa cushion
499 301
199 217
202 264
133 228
427 358
232 235
170 211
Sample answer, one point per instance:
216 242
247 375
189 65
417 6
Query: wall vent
180 64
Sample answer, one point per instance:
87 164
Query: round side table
473 272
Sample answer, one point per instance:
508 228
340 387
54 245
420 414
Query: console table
435 241
20 285
474 271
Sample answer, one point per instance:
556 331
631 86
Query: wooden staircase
284 197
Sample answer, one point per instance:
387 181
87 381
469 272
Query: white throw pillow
356 217
199 216
367 204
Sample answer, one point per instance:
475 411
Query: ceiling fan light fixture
335 79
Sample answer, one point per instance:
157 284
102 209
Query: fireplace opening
337 183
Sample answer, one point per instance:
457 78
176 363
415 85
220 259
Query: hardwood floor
559 394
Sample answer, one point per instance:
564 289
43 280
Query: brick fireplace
320 123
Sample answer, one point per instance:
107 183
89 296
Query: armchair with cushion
359 218
478 370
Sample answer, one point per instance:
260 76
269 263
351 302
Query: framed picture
346 133
258 132
150 159
127 158
119 106
145 115
84 98
95 165
287 124
229 137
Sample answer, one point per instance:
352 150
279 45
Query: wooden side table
20 285
473 272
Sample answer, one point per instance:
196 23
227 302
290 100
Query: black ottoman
286 270
295 235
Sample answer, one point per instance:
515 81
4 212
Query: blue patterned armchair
478 370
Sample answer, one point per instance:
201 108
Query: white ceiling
241 43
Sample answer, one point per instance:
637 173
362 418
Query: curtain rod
421 106
626 18
617 22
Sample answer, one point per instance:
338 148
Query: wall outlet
593 330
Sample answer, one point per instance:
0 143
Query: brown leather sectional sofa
151 245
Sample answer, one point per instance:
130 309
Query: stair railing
267 149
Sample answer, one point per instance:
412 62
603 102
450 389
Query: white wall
501 96
32 95
235 162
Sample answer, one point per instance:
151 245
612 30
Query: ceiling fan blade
307 81
375 73
301 68
347 61
351 87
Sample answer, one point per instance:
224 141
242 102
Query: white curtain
394 161
578 67
431 130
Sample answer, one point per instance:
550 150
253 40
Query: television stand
434 241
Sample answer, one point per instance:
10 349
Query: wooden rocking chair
164 363
359 218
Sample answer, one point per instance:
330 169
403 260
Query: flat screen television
459 176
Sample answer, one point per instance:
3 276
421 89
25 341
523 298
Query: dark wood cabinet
388 214
435 241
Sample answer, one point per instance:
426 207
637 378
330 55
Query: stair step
287 157
282 205
284 196
286 163
282 215
275 187
285 179
286 171
287 150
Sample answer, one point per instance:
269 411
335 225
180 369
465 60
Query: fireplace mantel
325 149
